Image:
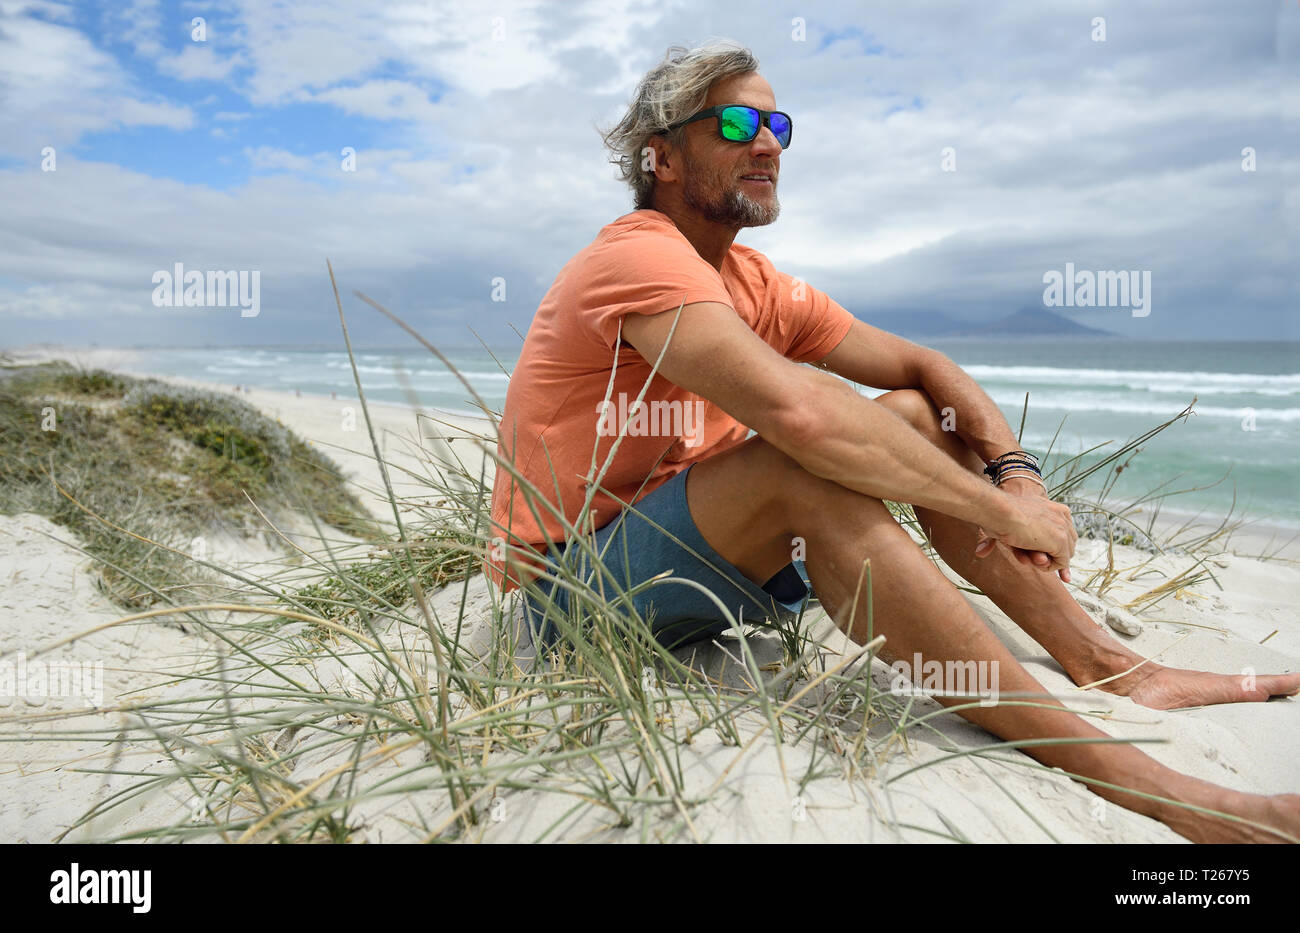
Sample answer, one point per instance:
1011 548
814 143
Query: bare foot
1281 811
1159 687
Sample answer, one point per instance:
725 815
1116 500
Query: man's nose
765 143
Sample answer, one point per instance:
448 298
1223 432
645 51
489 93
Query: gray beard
731 208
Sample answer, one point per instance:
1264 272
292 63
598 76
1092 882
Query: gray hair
671 91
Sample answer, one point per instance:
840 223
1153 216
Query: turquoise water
1245 434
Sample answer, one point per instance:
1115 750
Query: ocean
1242 443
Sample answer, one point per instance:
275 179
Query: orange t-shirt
554 417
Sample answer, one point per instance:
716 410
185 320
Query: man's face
715 168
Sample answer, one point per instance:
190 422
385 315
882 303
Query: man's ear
662 158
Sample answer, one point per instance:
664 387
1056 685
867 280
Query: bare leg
751 501
1042 605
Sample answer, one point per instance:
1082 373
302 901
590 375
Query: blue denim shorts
655 534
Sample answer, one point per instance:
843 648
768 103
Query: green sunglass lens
739 124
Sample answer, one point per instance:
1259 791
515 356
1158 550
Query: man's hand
1046 538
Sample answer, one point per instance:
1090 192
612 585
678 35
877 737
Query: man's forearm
972 414
862 445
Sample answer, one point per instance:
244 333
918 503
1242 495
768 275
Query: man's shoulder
642 223
644 242
755 265
618 241
749 255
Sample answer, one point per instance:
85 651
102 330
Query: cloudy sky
221 145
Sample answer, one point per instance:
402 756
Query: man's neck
712 241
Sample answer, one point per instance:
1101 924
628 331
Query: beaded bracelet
1019 473
1008 466
1015 459
1018 454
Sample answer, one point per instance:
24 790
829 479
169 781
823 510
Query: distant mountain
1027 322
1035 322
917 324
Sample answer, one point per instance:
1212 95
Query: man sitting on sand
664 300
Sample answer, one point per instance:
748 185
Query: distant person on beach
719 334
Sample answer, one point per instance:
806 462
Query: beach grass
388 693
146 473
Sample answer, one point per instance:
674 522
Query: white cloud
294 48
131 112
138 23
382 100
264 158
45 8
66 300
198 62
58 86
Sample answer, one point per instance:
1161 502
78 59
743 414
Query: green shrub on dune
230 428
119 460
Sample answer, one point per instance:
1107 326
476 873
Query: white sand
48 594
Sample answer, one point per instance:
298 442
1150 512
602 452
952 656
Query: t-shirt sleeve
812 322
642 271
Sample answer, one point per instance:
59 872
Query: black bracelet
1016 458
994 468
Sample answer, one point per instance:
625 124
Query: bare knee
913 406
918 409
780 473
797 498
777 484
